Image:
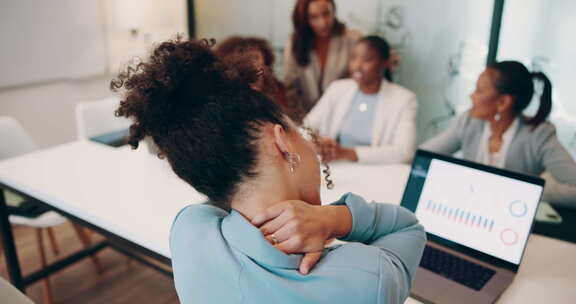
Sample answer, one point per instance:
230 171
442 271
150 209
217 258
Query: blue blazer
219 257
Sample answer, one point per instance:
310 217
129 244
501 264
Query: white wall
133 26
50 40
47 110
67 39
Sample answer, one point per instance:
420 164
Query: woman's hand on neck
270 187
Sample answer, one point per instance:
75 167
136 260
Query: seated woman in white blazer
368 118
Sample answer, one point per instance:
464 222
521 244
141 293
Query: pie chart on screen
518 208
509 237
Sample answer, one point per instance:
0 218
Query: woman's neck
321 45
499 127
370 88
251 199
321 41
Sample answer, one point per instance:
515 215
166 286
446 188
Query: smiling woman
264 228
367 118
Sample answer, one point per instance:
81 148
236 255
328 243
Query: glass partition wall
540 34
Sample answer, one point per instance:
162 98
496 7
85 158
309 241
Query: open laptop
477 218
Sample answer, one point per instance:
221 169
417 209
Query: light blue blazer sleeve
395 231
219 257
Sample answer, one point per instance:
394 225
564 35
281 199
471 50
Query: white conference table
134 196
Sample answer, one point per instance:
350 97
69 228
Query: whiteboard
50 40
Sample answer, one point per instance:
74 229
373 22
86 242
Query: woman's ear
281 140
505 103
385 65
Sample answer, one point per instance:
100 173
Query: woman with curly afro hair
264 226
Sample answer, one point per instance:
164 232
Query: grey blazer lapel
471 137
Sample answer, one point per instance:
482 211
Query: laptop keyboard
456 269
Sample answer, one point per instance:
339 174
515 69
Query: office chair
97 117
14 142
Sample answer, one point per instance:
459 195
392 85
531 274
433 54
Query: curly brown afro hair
204 120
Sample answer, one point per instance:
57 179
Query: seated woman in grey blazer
495 132
366 118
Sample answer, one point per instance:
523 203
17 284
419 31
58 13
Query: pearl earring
497 117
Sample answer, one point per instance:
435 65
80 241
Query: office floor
79 283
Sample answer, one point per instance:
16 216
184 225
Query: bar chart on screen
460 216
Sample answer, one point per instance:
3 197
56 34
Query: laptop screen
483 208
